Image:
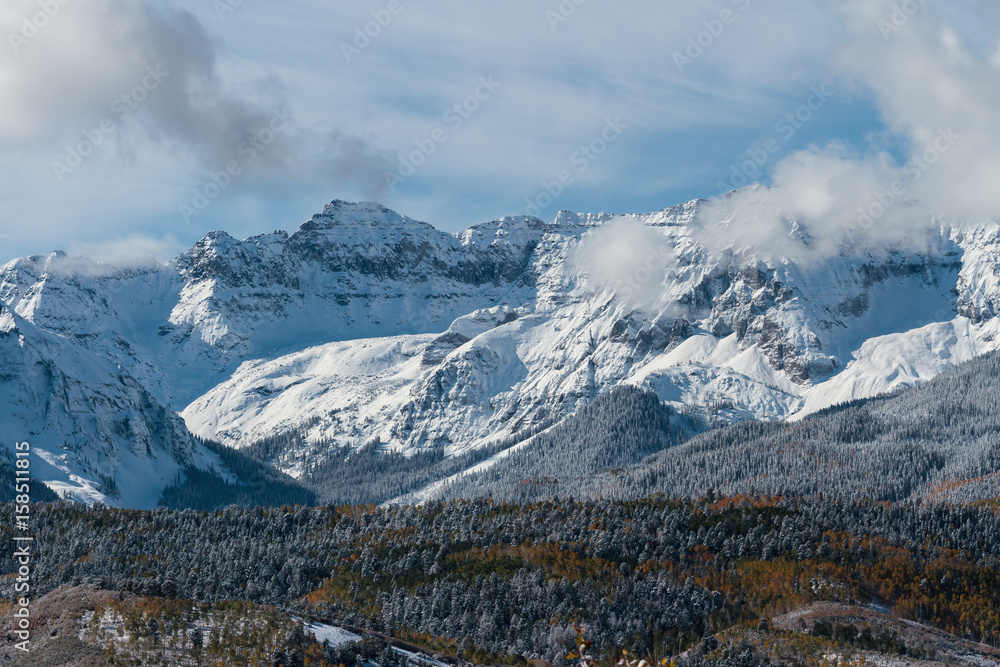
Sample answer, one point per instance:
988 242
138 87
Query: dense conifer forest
369 474
489 582
208 490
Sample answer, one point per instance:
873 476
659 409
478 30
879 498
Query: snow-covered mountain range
366 326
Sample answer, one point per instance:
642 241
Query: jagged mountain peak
511 222
55 262
343 207
505 230
571 219
680 215
341 215
217 236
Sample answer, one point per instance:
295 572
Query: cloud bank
939 99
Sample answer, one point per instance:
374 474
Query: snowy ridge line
384 329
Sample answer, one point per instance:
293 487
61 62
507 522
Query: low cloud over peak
939 99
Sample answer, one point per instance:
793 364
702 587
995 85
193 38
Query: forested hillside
938 440
38 491
618 429
368 474
504 583
256 484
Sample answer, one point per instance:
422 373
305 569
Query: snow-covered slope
742 339
95 432
353 271
364 325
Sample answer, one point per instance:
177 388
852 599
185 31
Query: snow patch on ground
70 487
332 634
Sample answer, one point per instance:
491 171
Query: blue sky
175 94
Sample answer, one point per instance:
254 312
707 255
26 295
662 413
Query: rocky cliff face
365 325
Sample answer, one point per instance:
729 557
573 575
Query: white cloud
128 250
939 99
926 81
629 259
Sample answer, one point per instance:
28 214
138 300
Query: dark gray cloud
137 75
